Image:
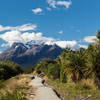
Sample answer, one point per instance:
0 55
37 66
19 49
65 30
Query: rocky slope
29 54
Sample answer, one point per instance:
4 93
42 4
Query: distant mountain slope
29 54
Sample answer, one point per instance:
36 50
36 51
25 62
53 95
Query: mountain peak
30 53
17 44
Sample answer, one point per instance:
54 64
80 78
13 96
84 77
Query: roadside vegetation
12 87
9 69
75 72
15 88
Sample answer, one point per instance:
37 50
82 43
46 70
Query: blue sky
63 20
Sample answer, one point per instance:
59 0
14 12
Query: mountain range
30 53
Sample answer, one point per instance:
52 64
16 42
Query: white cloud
37 10
64 3
83 46
55 3
16 36
25 27
89 39
11 37
60 32
63 44
21 34
52 3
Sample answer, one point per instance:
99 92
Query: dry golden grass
22 84
32 90
16 82
35 73
87 82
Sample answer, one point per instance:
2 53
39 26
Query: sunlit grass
84 89
14 88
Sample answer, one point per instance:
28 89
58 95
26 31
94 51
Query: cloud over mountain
17 34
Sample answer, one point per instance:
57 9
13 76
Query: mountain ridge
30 54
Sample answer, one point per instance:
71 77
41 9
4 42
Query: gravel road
43 92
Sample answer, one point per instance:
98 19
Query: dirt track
43 92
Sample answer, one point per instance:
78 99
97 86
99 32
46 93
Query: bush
54 70
8 69
49 67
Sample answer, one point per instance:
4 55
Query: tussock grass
12 96
83 89
15 88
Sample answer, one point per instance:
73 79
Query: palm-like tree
72 63
62 62
75 65
92 68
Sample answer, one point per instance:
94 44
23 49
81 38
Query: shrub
8 69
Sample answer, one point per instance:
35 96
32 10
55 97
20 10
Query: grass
12 96
14 88
2 84
83 89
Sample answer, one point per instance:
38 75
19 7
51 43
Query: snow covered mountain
30 53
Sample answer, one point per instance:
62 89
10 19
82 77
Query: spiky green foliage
78 64
74 63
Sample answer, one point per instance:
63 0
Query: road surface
43 92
